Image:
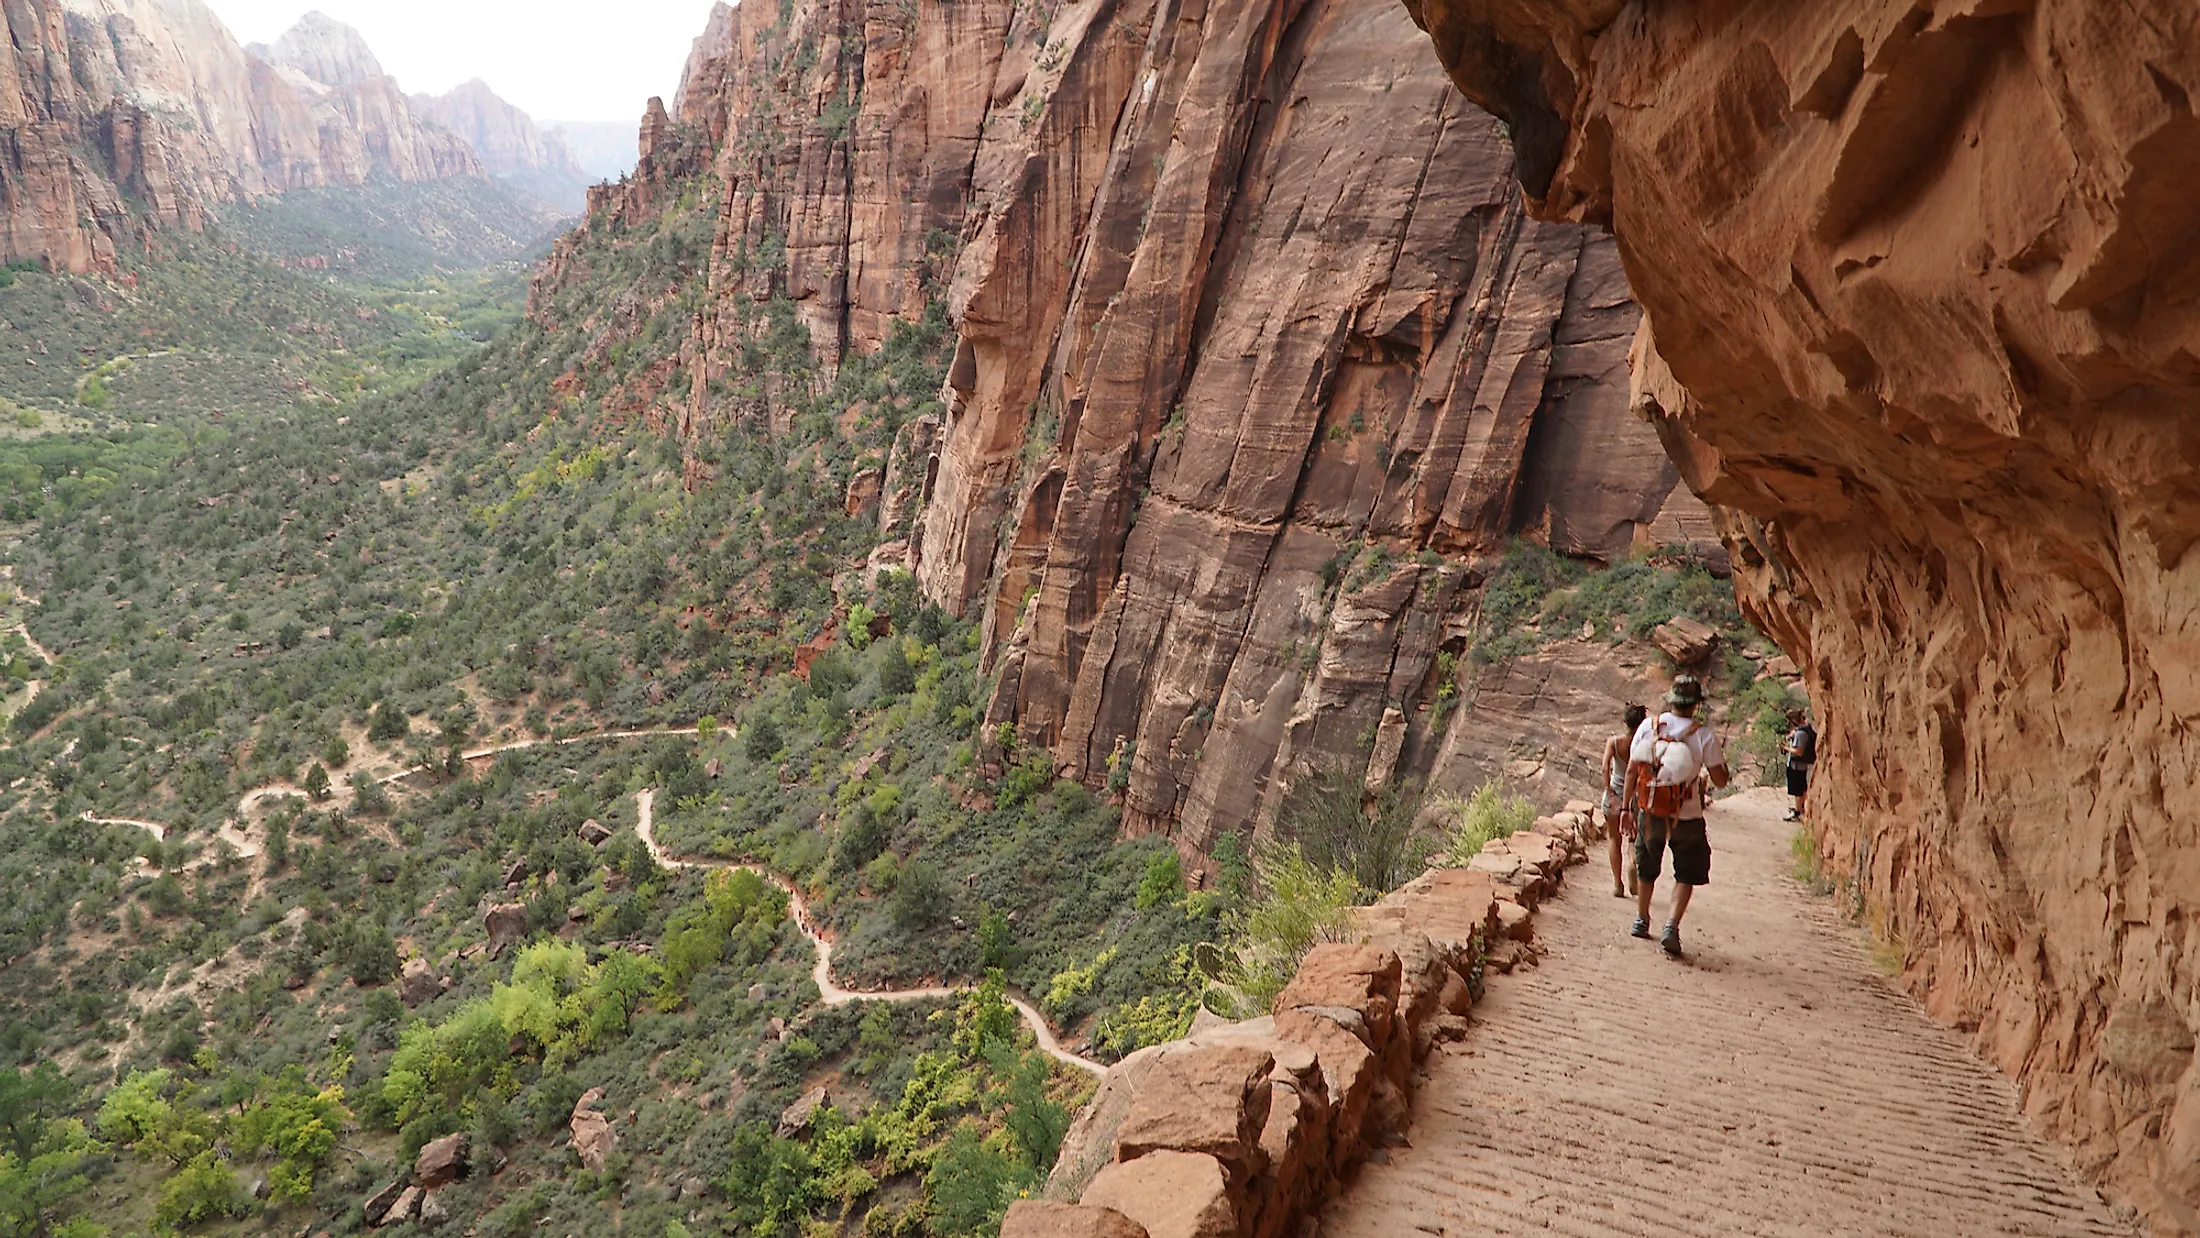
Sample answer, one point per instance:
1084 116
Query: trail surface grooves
1769 1084
832 994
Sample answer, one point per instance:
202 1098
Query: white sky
556 59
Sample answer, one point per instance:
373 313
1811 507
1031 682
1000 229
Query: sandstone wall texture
119 113
1260 358
1923 286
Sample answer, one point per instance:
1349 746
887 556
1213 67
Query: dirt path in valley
822 971
645 803
1772 1083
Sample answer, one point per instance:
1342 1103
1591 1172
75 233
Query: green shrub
1342 828
1300 905
1490 813
204 1189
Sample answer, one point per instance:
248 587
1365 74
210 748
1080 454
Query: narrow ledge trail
1770 1083
822 971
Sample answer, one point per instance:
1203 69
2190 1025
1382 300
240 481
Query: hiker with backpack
1801 748
1670 759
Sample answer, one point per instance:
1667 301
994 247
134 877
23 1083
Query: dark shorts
1798 779
1691 845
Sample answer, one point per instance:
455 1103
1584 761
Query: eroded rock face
510 144
1923 288
155 100
1260 358
593 1138
1313 364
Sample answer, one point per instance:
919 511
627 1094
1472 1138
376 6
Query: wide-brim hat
1685 691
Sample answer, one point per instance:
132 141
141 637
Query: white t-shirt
1696 734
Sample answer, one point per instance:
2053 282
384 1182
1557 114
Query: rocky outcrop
1260 358
505 924
441 1162
510 145
593 1138
115 114
1922 294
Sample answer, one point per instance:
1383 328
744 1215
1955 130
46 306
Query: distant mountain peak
326 50
511 145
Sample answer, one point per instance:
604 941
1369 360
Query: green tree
921 896
29 1100
387 723
141 1114
1300 906
771 1183
761 740
970 1185
335 753
1162 882
368 796
295 1123
1036 1121
372 958
895 676
317 784
205 1188
34 1190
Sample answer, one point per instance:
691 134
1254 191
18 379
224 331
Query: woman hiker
1619 820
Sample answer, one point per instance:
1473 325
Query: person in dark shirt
1801 747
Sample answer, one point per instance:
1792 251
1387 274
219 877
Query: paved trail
1770 1084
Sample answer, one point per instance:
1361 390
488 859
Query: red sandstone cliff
114 113
1260 355
1922 274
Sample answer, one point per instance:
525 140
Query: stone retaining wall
1243 1130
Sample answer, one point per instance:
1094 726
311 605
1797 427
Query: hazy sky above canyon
556 59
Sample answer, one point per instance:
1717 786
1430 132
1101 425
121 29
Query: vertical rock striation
1924 291
114 113
1260 357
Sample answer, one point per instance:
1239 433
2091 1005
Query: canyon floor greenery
289 548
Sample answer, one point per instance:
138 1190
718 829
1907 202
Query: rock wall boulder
1922 295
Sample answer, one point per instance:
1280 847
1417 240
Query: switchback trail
645 803
822 972
1769 1084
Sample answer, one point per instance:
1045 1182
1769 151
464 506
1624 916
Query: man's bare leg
1681 894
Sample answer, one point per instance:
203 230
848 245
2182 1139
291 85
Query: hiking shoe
1671 942
1642 928
1792 815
